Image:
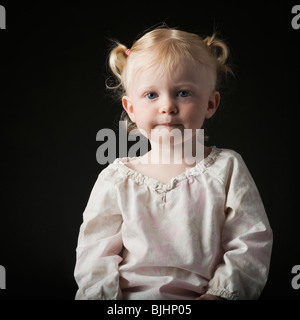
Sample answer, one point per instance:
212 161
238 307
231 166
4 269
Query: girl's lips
170 124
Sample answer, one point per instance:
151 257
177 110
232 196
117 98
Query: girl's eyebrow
186 83
175 85
147 88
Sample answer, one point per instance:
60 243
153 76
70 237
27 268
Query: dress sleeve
99 244
246 239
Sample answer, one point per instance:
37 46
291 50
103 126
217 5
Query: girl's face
181 100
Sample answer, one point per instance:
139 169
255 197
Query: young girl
153 230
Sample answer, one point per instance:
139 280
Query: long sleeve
246 238
99 244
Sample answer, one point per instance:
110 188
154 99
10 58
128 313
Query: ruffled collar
158 186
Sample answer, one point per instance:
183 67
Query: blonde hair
164 48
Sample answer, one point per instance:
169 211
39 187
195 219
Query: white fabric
206 231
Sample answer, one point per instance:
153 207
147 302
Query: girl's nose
168 106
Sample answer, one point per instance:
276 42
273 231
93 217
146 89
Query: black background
53 101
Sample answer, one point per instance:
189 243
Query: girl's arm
246 239
99 244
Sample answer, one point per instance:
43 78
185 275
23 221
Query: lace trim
158 186
223 293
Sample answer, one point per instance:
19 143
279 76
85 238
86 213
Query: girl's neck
187 153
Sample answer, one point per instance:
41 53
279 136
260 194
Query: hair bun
117 61
220 51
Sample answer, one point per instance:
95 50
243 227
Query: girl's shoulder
116 171
228 156
229 164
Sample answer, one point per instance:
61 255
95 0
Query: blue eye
183 94
151 95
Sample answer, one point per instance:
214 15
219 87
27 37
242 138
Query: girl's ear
213 103
127 105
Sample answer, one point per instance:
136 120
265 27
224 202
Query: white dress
206 231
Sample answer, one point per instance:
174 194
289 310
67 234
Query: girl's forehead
183 70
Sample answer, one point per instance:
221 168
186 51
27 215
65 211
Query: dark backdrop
53 102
